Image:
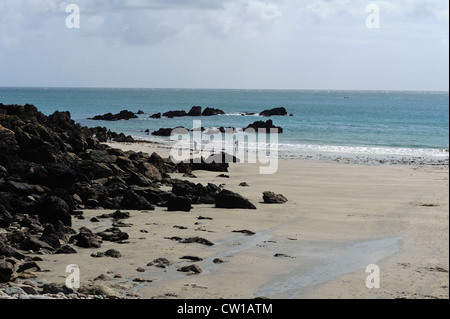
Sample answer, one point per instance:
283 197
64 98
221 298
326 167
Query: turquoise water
363 122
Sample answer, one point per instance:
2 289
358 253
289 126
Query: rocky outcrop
212 112
123 115
279 111
272 198
172 114
229 199
195 111
267 126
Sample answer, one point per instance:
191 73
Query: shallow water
327 262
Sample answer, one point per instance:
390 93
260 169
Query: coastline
392 216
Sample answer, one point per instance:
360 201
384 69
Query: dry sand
339 219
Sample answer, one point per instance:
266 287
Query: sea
373 127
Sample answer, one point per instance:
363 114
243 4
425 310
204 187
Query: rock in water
272 198
195 111
229 199
211 112
279 111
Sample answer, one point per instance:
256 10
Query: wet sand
339 218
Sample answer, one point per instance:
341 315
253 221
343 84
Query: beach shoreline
339 218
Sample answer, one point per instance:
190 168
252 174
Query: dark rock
52 288
53 209
195 111
245 231
279 111
244 184
267 126
218 261
192 258
223 176
6 271
140 112
179 203
172 114
122 138
8 251
166 132
86 239
272 198
211 112
29 265
198 240
191 268
123 115
66 249
156 116
113 253
229 199
135 202
160 262
35 244
113 234
5 217
21 188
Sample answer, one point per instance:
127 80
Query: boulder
279 111
85 239
195 111
272 198
179 203
156 116
191 268
53 209
267 126
6 271
123 115
229 199
212 111
135 202
113 234
172 114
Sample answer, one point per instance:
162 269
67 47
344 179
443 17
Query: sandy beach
339 219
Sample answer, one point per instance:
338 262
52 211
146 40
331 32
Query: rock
8 251
245 231
29 265
198 240
113 234
101 290
211 112
6 271
172 114
179 203
191 268
279 111
113 253
223 176
272 198
33 243
268 126
160 262
135 202
66 249
244 184
5 217
192 258
140 112
156 116
195 111
14 291
102 277
229 199
218 261
52 288
23 189
86 239
123 115
53 209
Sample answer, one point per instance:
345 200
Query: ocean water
365 126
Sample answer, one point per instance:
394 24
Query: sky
230 44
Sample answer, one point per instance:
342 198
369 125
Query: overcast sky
244 44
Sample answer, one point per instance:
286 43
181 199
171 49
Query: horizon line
224 89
